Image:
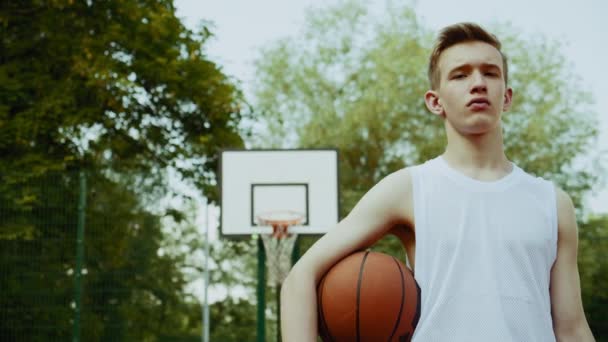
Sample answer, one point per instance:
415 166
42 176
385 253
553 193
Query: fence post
79 255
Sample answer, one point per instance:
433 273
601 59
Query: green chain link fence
128 292
37 250
57 224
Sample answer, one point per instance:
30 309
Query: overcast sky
241 27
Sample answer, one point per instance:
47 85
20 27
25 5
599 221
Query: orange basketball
368 296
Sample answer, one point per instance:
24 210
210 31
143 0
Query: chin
476 125
477 133
480 128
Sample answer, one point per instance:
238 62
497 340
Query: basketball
368 296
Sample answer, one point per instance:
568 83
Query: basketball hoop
279 245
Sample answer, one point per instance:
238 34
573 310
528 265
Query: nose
478 83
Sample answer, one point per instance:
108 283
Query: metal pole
277 289
261 292
295 254
79 257
206 270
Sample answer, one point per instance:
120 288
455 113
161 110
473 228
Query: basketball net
279 245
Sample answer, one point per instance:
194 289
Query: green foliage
551 128
121 85
233 321
593 244
366 75
123 91
138 293
356 81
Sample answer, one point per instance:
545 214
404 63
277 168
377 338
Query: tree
119 85
593 243
344 68
356 82
124 92
369 75
234 320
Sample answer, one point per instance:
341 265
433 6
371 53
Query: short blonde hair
456 34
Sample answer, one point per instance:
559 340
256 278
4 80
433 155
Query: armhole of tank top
417 191
419 209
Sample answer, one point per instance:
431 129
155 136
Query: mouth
482 101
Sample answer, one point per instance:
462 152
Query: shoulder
400 177
397 183
390 198
564 202
566 216
395 193
563 205
407 175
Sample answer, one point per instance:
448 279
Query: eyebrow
468 66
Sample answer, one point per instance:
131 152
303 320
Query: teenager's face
472 93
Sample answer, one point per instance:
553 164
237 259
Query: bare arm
385 205
569 322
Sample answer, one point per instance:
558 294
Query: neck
478 155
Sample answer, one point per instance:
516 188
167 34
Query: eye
491 74
458 76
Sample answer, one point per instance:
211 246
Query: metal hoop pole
261 292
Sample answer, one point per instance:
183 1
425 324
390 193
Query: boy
493 248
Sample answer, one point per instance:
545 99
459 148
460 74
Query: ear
431 99
508 99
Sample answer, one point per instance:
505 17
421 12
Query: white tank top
484 252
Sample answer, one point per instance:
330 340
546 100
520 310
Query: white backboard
253 182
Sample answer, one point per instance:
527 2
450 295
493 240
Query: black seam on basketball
325 333
402 300
320 307
359 294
